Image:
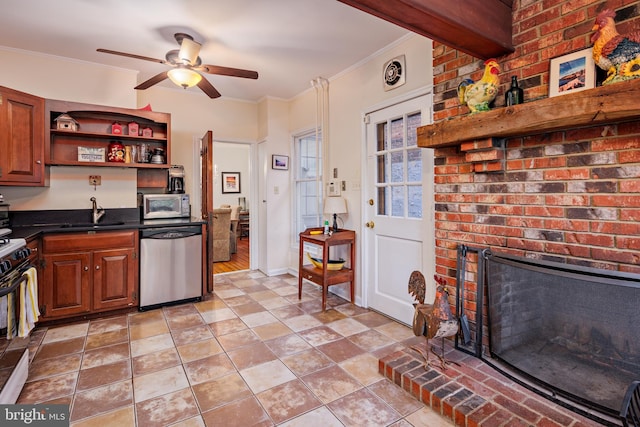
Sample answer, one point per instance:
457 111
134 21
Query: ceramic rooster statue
477 96
618 54
431 320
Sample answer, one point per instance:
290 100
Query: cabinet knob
97 267
38 162
86 268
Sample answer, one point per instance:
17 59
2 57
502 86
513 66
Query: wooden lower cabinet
86 273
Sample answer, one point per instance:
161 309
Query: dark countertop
33 224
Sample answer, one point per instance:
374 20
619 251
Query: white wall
230 157
351 94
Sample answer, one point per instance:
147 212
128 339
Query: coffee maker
176 179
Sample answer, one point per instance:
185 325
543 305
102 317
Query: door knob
369 224
371 202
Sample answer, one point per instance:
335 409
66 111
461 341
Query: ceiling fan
187 67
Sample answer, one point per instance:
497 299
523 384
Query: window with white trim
308 181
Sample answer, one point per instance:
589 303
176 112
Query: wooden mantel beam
481 28
612 103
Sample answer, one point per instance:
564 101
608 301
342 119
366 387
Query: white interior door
398 212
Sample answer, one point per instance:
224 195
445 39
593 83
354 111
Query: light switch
276 189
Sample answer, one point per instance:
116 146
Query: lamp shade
335 205
184 77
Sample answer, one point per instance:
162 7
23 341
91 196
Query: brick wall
571 196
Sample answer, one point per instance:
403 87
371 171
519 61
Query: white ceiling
288 42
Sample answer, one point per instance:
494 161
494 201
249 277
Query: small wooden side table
323 276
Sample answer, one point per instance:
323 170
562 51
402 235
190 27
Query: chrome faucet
97 213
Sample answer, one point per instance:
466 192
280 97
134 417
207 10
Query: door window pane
397 133
414 165
415 201
397 167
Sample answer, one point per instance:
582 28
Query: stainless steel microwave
155 206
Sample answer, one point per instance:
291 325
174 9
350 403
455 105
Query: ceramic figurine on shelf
618 54
478 95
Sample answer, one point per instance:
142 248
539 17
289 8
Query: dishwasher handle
171 233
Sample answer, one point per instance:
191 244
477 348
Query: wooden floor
238 261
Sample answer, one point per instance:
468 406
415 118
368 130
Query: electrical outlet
95 180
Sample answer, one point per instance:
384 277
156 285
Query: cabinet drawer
69 242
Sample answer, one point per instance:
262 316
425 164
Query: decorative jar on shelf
116 152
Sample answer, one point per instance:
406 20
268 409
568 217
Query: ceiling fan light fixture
184 77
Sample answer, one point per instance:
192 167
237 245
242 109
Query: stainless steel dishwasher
170 265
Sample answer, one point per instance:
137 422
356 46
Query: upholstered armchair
221 231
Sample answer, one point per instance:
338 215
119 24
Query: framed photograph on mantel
230 182
279 162
572 73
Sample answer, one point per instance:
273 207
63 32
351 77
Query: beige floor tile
395 396
48 389
319 335
347 327
238 339
105 355
166 409
209 368
55 366
300 323
153 362
185 321
370 340
251 355
425 417
363 408
363 367
307 361
67 332
146 317
218 392
158 383
331 383
258 319
395 331
288 400
148 329
60 348
151 344
199 350
189 335
123 417
217 315
267 375
105 325
191 422
271 331
102 399
212 304
229 326
340 350
288 344
276 302
101 339
320 417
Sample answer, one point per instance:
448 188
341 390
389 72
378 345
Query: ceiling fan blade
227 71
131 55
152 81
208 88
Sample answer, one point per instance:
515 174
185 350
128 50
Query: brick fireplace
565 191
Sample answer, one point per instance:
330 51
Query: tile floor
251 355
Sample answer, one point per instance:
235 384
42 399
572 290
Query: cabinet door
114 279
21 138
67 292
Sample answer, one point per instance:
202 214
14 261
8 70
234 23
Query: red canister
116 152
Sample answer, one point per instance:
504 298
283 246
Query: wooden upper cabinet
21 138
481 28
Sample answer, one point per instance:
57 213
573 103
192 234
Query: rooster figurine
477 96
618 54
432 320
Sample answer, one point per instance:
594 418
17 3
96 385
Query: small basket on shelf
331 264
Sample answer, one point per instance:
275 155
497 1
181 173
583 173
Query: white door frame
366 270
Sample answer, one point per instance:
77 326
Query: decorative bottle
515 94
326 226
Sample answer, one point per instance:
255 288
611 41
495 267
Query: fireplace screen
574 330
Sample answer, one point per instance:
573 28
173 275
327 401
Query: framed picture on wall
230 182
279 162
572 73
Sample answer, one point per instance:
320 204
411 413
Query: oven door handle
7 290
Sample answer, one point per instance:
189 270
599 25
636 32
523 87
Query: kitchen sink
91 225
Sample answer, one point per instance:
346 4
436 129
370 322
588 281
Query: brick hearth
474 394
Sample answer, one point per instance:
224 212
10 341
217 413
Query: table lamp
335 206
